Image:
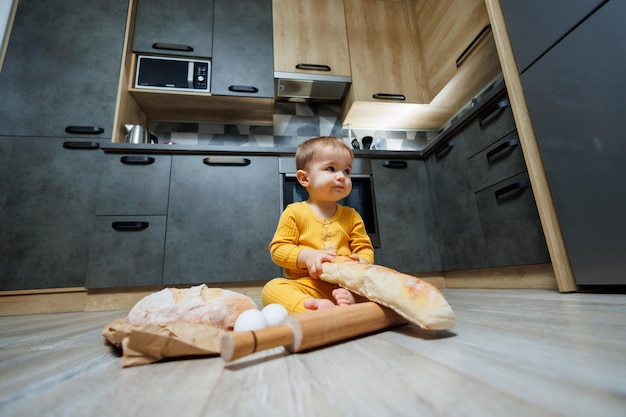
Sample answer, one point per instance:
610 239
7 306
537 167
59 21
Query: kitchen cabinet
61 68
166 27
549 20
310 37
127 247
404 212
222 215
461 243
242 49
416 63
575 95
47 210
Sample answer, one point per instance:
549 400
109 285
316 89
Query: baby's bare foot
318 304
343 297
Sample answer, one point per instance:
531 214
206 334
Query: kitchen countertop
490 94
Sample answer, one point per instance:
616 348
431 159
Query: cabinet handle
84 146
243 89
395 164
516 186
137 160
494 111
84 130
472 44
130 226
313 67
386 96
511 143
444 151
226 161
172 47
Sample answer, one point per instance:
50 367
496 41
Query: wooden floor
512 353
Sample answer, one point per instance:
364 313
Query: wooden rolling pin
303 331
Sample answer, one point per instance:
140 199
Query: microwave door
190 74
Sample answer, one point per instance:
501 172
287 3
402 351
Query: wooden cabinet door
383 52
47 209
242 49
62 67
404 215
222 215
174 28
310 37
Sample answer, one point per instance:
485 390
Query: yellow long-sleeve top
300 227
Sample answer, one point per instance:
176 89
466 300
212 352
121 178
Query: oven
361 198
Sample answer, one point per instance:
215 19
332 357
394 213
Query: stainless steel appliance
167 73
361 198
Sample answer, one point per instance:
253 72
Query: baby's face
329 175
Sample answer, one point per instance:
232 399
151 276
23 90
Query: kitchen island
512 352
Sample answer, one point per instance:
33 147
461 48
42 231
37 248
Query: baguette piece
414 299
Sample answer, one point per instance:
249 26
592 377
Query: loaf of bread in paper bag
214 307
414 299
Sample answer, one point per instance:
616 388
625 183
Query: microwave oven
179 74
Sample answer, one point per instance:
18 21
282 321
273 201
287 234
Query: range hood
296 87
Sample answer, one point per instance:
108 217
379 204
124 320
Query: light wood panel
512 352
543 197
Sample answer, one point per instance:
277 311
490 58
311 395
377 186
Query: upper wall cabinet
416 63
171 28
242 49
61 68
310 37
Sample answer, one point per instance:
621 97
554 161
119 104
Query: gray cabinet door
576 95
404 215
222 215
174 28
461 243
535 25
134 184
243 60
510 223
47 212
126 251
62 68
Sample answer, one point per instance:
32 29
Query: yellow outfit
300 227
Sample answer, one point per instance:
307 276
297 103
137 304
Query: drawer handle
226 161
172 47
511 143
83 146
137 160
445 150
130 226
472 44
243 89
516 186
313 67
494 111
386 96
84 130
395 164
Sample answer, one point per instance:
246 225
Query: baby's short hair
307 149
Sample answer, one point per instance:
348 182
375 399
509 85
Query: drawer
134 185
498 162
126 251
510 222
492 123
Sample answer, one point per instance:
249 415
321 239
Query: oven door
361 199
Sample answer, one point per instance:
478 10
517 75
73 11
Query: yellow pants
291 293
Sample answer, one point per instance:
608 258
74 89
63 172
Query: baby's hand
313 260
355 257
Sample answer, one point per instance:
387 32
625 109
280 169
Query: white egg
274 314
250 320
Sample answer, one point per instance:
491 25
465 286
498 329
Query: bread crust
414 299
215 307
